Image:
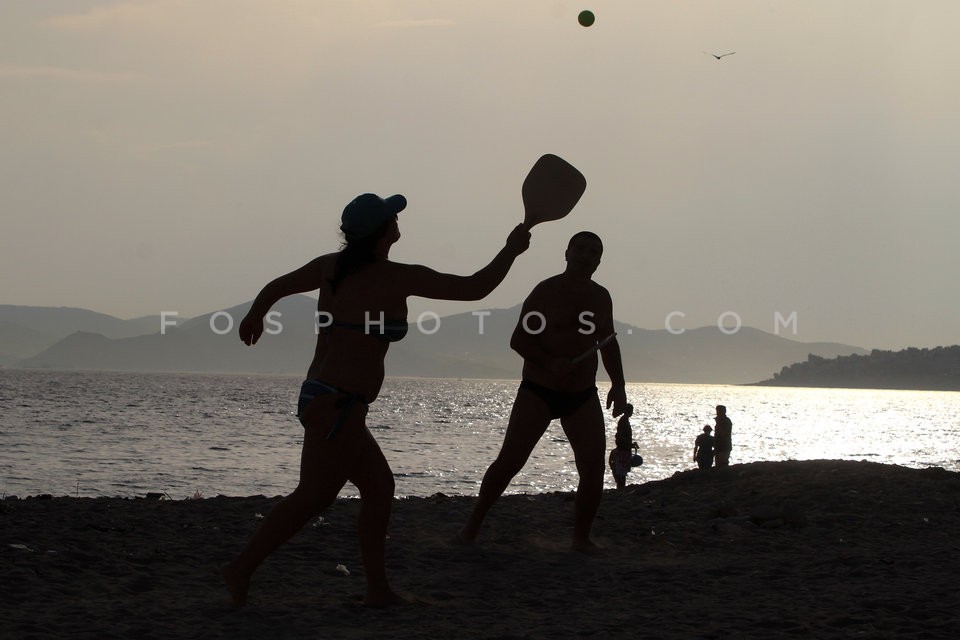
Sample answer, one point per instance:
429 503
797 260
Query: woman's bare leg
374 479
323 472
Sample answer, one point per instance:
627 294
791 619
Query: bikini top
389 331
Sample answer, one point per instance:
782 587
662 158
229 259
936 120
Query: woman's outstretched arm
425 282
306 278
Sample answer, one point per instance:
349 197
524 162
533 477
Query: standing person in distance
624 455
723 437
703 448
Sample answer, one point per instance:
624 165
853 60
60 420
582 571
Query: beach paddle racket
595 348
551 190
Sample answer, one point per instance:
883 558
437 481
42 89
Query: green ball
585 18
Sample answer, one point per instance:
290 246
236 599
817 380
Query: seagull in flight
722 55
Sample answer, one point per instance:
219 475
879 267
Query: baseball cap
368 212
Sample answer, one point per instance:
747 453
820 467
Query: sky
176 155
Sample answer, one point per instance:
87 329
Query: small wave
413 474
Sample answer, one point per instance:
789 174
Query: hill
62 321
932 369
26 331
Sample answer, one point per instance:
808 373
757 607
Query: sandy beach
814 549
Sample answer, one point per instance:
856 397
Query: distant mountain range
66 338
26 331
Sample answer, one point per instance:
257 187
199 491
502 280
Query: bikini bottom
312 388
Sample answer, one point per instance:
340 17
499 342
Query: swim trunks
560 404
311 388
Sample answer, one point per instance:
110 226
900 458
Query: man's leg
529 419
587 437
722 458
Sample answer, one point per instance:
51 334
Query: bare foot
588 547
389 598
238 583
460 539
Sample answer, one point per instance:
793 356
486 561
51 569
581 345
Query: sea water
126 434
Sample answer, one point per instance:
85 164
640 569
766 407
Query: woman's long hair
356 254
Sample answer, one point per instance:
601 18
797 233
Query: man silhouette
723 437
703 448
564 317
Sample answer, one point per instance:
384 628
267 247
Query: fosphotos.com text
428 322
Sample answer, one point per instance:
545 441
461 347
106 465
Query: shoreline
822 548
